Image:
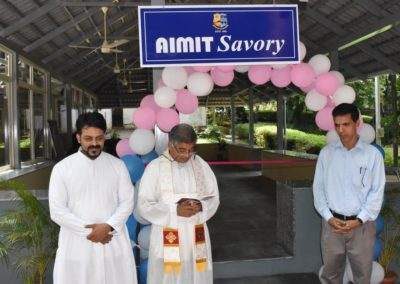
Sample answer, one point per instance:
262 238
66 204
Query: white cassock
162 213
81 192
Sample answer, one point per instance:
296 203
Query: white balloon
144 237
366 133
161 140
279 66
242 68
200 84
378 273
320 63
174 77
344 94
339 76
332 136
165 97
142 141
315 101
302 51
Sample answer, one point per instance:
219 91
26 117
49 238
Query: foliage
391 235
114 135
28 238
265 136
212 132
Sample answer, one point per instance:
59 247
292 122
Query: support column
378 129
233 120
13 114
393 93
47 116
160 136
251 118
68 102
280 128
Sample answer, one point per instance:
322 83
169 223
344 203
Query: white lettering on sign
203 44
275 45
183 44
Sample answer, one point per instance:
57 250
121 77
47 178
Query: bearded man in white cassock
90 198
178 195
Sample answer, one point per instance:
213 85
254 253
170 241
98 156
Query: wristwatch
359 220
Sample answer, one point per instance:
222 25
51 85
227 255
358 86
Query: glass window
58 105
38 118
4 63
3 123
75 110
86 103
23 71
24 124
38 78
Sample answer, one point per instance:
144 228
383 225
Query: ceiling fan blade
105 9
83 46
118 42
116 50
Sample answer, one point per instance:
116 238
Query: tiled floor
300 278
244 226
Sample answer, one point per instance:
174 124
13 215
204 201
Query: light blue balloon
143 271
134 165
379 224
149 157
378 246
132 226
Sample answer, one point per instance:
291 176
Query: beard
92 152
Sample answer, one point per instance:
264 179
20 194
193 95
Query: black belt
343 217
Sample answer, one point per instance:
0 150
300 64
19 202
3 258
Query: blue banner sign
218 35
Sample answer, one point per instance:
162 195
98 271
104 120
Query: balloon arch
180 87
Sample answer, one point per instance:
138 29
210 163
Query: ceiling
44 30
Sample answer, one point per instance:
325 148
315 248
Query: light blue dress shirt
349 182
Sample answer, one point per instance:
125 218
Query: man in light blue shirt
348 191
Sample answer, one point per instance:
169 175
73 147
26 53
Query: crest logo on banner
220 21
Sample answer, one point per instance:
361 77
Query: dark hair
344 109
182 133
90 119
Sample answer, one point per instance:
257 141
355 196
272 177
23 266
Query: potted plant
28 238
391 238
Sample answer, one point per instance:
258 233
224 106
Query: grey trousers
358 246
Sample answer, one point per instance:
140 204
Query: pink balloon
226 68
308 88
330 102
259 74
302 75
148 101
221 78
123 148
144 117
281 77
324 119
326 84
167 118
189 70
186 102
202 69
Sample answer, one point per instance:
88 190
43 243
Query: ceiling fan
106 46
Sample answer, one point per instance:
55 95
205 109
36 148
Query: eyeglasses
184 152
